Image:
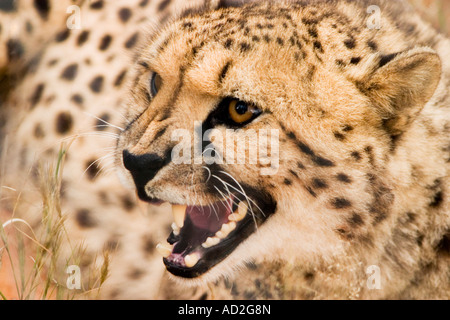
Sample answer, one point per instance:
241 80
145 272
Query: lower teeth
191 259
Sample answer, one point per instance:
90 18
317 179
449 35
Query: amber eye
155 83
241 112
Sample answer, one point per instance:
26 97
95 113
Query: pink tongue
210 217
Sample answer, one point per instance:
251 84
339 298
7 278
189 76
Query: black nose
143 168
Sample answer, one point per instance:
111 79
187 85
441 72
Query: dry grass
34 260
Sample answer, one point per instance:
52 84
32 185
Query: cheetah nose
143 168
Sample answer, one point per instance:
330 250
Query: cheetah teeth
191 259
164 249
240 213
179 213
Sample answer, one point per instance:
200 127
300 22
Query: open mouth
202 236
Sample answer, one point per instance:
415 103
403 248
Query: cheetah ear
401 84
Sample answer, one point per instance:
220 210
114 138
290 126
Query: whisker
104 121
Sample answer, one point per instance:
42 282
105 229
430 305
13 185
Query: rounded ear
401 85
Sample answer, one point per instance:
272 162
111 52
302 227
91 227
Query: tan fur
364 144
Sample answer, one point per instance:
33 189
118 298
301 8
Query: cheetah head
243 120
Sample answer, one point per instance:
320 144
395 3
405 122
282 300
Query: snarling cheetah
351 99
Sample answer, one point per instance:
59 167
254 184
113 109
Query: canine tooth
240 213
164 249
175 229
179 212
191 259
210 242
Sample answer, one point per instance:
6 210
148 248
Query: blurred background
435 11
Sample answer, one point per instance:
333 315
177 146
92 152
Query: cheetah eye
233 113
155 83
240 112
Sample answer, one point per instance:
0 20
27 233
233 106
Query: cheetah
357 206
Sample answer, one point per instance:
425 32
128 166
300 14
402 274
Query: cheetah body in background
363 116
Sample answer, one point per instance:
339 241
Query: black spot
355 220
42 7
62 36
293 173
347 128
187 25
343 178
144 64
356 155
82 38
38 131
341 203
300 165
339 136
84 219
303 147
29 27
143 3
119 78
340 63
322 162
350 43
309 276
244 46
163 5
438 198
310 21
228 43
92 169
96 84
131 42
128 203
149 244
419 240
224 72
63 123
70 72
287 181
369 151
8 5
77 98
280 41
311 191
101 123
266 38
313 32
355 60
124 14
318 46
444 245
372 45
15 49
52 62
105 42
136 274
97 5
319 183
37 95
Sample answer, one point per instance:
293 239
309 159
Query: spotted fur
364 126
